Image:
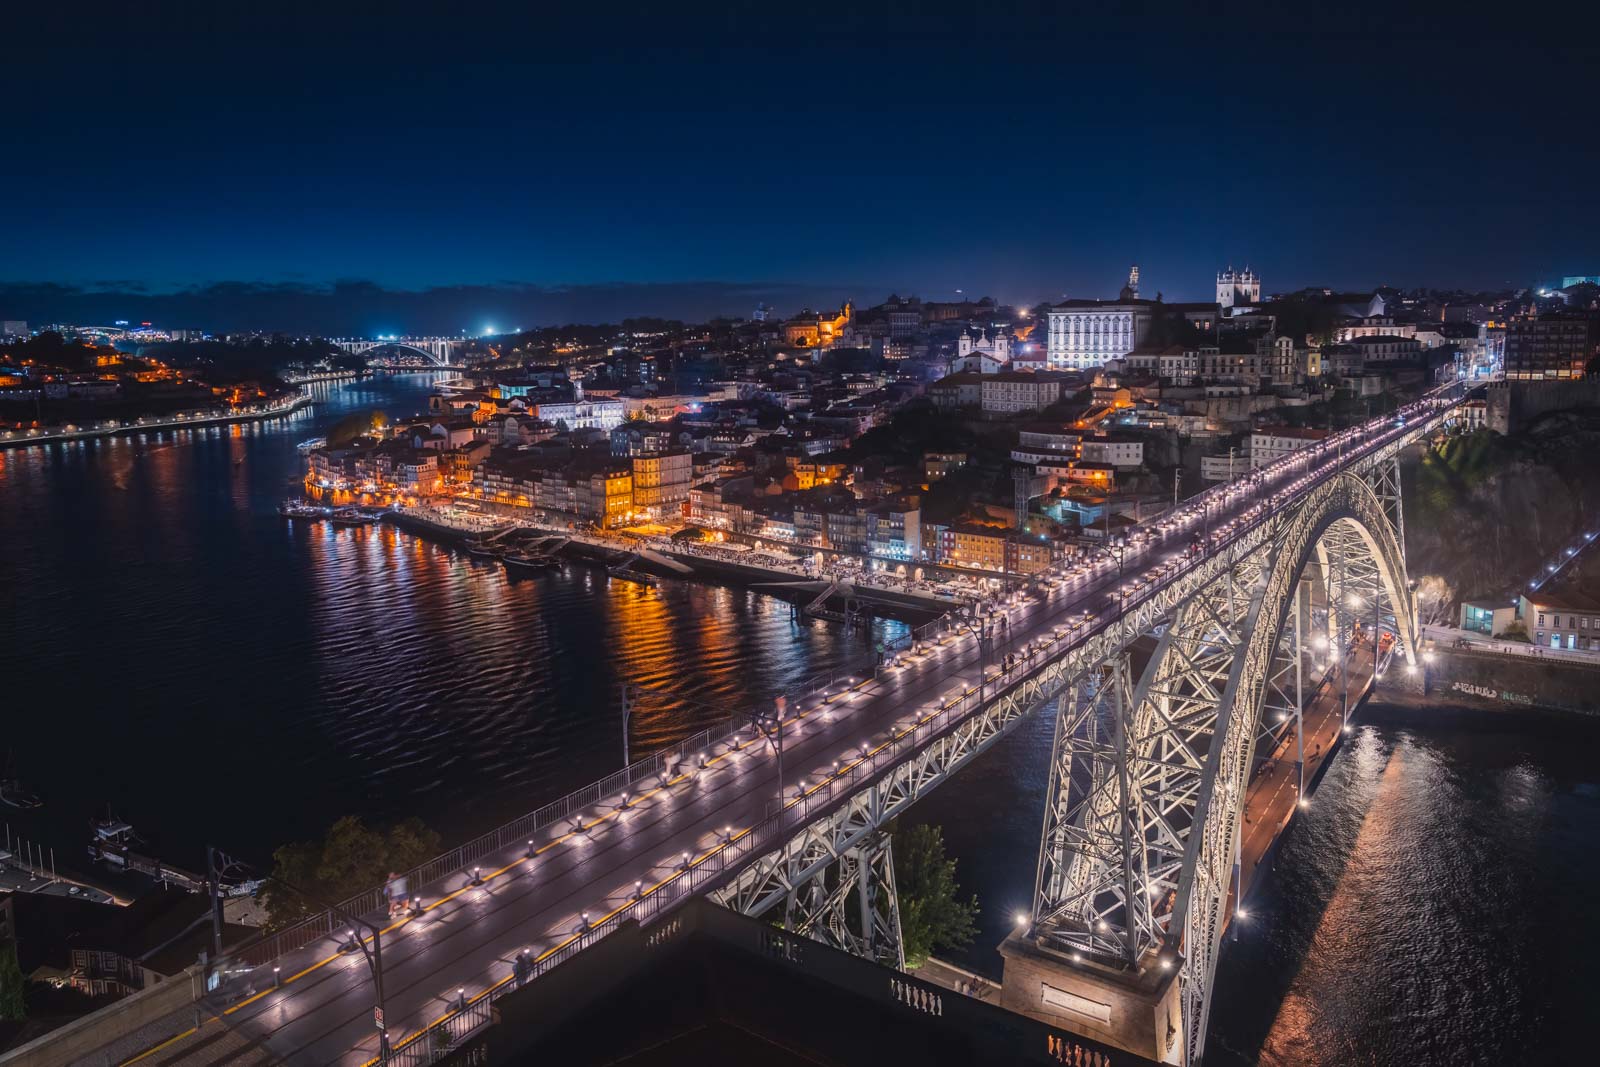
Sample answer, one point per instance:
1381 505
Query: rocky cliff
1486 511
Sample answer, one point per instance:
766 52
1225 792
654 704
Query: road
462 944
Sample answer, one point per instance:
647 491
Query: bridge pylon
1140 863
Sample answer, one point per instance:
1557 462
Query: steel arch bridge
1141 845
1141 832
437 349
1147 776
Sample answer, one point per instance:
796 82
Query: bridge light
1021 918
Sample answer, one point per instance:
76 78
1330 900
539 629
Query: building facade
1238 289
1084 334
1550 347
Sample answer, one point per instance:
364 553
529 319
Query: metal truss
844 848
1141 830
1142 821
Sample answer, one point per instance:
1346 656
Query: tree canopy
931 914
350 858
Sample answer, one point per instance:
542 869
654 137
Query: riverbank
185 420
1498 682
669 561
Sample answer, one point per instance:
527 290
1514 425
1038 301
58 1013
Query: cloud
356 307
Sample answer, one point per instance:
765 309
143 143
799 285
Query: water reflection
222 675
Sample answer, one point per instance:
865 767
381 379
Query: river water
215 673
219 674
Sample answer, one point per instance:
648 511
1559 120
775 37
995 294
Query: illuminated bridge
437 349
1191 666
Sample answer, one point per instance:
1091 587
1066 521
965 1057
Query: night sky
227 169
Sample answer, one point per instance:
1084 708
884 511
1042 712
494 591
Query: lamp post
374 958
770 723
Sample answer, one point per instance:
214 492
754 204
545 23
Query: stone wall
1513 405
1508 682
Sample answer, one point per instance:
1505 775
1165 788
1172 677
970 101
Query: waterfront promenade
183 420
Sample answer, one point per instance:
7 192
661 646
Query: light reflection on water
222 675
1432 906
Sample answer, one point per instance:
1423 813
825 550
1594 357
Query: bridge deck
467 936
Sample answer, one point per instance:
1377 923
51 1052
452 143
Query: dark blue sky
551 164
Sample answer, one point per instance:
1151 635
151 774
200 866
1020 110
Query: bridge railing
710 869
459 861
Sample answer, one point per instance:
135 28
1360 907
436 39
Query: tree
13 1005
931 916
1435 598
350 858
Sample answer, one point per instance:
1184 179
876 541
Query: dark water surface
217 673
1435 905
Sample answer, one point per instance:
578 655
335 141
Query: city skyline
591 173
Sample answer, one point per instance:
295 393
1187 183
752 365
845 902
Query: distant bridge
438 349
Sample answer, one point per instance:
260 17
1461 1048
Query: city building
661 482
1271 443
812 330
1562 620
1551 346
1385 348
587 414
1013 392
894 531
997 347
1488 617
1084 334
605 496
954 392
1112 450
1240 289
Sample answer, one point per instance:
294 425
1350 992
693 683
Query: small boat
299 509
351 517
310 444
631 576
484 550
530 561
14 792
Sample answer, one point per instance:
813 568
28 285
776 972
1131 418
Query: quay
276 409
664 558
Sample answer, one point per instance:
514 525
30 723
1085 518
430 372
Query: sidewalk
1447 636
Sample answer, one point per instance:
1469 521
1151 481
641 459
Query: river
1432 906
217 674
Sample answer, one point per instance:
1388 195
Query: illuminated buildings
661 482
1241 289
1013 392
992 549
1555 346
605 497
811 330
1087 333
1268 444
581 414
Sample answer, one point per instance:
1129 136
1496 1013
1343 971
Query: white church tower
1238 289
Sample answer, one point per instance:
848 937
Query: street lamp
373 956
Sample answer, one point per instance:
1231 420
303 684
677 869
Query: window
1541 618
1555 640
1538 638
1583 623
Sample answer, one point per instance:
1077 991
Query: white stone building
1084 334
1240 289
